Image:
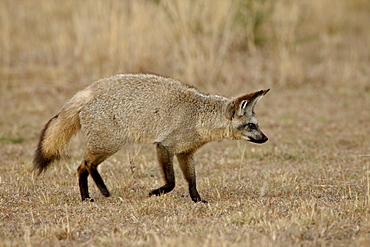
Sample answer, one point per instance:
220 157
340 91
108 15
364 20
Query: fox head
244 124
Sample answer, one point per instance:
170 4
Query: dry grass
308 186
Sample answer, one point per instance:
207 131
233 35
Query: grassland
308 186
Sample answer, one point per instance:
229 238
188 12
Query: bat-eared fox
146 108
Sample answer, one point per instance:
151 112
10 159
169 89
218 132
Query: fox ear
253 99
243 104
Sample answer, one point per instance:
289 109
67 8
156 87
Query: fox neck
212 124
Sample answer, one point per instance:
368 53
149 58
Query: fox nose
265 139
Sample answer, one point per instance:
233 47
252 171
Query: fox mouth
262 140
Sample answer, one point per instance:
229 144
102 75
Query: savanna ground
308 186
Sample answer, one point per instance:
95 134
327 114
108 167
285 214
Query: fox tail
57 133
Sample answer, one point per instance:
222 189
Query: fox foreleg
165 160
186 162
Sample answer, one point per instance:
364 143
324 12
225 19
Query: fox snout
260 139
252 133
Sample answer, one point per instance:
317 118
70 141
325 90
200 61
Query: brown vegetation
309 185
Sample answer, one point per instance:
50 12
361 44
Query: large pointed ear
243 104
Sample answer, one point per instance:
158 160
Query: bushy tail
57 133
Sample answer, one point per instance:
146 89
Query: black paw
157 192
88 199
106 193
199 200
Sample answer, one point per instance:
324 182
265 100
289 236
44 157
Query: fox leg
89 167
83 173
165 160
186 162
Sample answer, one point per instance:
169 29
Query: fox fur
146 108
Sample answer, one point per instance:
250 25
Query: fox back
146 108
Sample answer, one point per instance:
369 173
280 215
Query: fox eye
252 126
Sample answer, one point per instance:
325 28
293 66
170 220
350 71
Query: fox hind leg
83 173
89 167
165 160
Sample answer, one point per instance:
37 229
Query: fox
146 108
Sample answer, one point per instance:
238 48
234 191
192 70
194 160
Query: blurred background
212 44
